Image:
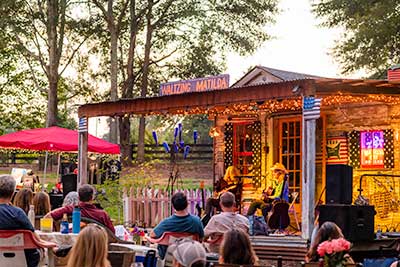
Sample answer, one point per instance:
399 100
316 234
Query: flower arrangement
334 252
137 234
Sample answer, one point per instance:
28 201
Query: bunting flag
311 108
83 126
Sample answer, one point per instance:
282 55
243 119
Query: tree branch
122 14
73 54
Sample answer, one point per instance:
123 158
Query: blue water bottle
76 220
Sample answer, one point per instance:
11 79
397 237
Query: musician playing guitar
229 182
278 191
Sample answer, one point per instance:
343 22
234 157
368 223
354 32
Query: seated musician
229 183
278 191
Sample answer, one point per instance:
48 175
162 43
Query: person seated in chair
278 191
225 221
14 218
229 183
88 209
180 222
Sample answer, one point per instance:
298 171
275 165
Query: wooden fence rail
147 207
197 152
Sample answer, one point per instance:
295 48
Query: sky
299 45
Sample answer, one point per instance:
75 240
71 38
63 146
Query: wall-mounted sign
196 85
372 154
337 150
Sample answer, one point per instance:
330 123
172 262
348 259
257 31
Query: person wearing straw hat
277 191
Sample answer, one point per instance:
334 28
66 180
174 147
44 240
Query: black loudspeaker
69 182
356 222
339 184
56 201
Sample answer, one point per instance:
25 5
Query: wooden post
311 112
83 146
308 179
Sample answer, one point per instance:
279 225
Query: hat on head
279 167
189 252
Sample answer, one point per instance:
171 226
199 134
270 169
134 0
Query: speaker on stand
339 184
69 182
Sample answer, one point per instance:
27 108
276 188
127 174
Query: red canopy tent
54 139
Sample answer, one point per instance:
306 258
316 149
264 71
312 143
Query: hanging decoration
255 128
371 149
388 148
228 139
337 150
353 138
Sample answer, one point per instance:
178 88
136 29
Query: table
59 239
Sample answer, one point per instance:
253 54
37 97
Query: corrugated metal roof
288 75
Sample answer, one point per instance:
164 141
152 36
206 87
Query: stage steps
290 248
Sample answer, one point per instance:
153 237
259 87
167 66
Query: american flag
82 128
311 108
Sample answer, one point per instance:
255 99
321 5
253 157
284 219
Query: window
372 149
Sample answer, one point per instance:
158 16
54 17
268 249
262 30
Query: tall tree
114 20
46 33
371 33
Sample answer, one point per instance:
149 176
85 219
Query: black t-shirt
14 218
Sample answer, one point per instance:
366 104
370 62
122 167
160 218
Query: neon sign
372 154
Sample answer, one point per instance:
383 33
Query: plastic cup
46 225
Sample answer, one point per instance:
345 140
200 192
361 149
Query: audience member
188 253
327 231
41 201
181 221
23 199
90 249
72 198
88 209
225 221
14 218
236 249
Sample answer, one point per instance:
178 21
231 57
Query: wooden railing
197 152
147 207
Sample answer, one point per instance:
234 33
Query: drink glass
46 225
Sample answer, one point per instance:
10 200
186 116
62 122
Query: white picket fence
146 207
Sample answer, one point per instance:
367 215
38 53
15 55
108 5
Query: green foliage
371 33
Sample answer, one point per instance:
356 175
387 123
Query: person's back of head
179 201
327 231
189 253
72 198
227 200
90 249
7 186
23 199
236 248
86 193
41 201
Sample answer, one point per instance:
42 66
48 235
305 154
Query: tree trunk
114 72
126 148
52 70
145 80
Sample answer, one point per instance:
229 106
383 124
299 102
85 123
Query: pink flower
333 246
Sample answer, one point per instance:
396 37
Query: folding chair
13 243
292 209
167 238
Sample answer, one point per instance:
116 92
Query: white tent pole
58 166
45 170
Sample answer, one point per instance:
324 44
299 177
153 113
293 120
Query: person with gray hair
227 220
72 198
14 218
